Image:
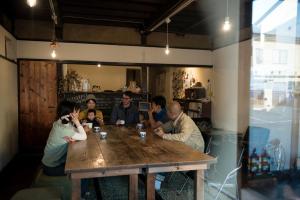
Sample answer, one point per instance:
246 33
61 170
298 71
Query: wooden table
123 152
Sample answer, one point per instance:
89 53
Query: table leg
133 193
150 190
76 189
199 185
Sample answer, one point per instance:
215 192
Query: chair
231 175
189 175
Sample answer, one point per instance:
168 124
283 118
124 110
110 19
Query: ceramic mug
103 134
96 129
143 134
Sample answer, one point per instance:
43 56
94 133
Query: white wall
245 56
113 53
108 77
8 105
11 48
231 82
225 88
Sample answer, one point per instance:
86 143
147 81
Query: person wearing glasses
125 113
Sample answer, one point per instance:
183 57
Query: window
259 55
280 56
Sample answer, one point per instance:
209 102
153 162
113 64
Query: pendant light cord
227 10
167 33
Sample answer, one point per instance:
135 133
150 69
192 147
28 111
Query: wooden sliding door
37 103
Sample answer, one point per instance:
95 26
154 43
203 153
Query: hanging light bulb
31 3
53 46
226 25
167 50
53 54
99 65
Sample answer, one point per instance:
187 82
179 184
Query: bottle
254 163
265 162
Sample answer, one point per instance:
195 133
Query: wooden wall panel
38 103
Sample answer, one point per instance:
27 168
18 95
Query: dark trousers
60 171
54 171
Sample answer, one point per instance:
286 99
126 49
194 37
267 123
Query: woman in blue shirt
158 113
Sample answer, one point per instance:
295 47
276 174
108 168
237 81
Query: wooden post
133 190
76 189
150 191
199 185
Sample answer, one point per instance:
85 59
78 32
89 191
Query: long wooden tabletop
124 148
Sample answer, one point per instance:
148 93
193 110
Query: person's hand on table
120 122
100 121
87 129
159 131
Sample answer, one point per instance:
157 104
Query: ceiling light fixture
226 25
31 3
167 50
53 45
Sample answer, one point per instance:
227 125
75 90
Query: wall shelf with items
199 110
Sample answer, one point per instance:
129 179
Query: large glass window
274 99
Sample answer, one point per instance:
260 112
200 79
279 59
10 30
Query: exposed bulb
31 3
167 50
53 54
227 25
99 65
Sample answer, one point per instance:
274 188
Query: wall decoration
72 81
178 83
181 81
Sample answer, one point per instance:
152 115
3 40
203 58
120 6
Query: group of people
169 123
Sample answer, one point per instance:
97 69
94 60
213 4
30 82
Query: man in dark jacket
126 112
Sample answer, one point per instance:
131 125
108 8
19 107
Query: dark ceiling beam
144 2
113 5
57 19
110 19
103 17
106 12
168 13
100 22
203 22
